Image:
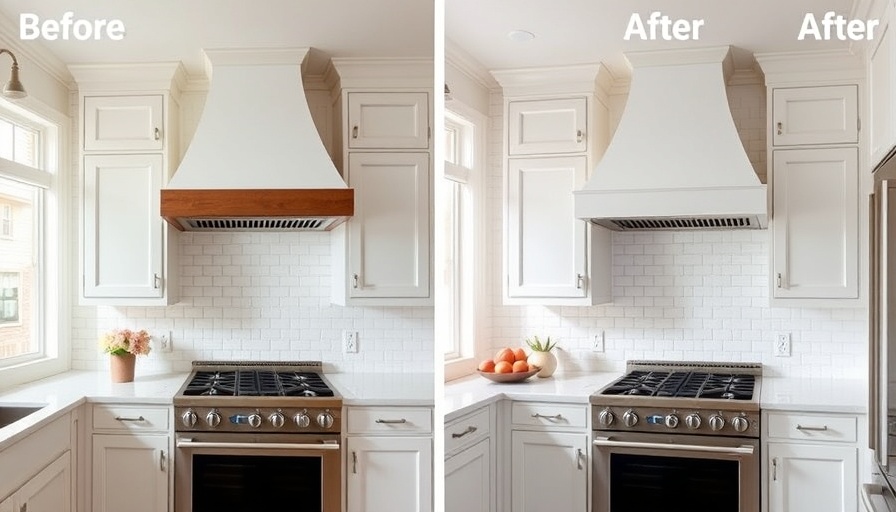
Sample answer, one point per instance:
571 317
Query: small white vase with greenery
541 356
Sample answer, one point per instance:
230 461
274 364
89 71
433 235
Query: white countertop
814 394
384 388
468 393
778 393
62 393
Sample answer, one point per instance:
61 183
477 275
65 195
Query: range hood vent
676 161
256 161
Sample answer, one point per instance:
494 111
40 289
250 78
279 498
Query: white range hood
676 161
256 161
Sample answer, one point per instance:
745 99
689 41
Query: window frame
53 233
463 360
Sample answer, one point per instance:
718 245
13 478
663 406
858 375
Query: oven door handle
738 450
188 443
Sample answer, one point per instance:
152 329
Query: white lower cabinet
467 480
130 472
811 461
549 471
812 478
389 474
48 491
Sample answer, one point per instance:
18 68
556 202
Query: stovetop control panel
258 419
730 422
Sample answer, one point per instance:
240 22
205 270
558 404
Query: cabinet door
546 244
389 235
815 223
50 490
880 70
396 120
547 126
115 123
549 471
812 478
816 115
123 235
468 480
389 473
130 473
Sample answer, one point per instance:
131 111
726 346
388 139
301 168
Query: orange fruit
503 367
505 354
487 366
519 354
520 366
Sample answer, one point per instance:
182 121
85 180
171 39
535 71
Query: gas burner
683 385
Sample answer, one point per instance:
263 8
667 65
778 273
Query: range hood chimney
676 161
256 162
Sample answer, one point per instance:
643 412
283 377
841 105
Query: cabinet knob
355 132
580 136
780 128
157 133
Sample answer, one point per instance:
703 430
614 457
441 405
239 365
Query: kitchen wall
697 296
257 296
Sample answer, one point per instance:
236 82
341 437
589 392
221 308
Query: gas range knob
325 419
213 419
630 419
671 421
254 420
302 420
740 424
276 419
188 419
693 421
716 422
606 418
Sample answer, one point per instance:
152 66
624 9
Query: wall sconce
14 88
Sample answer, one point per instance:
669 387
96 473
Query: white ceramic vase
547 361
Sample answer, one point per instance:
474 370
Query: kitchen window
30 243
458 202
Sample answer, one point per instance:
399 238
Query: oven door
634 472
284 472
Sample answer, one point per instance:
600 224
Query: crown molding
576 79
469 66
372 73
810 67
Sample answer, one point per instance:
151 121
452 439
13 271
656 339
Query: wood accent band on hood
210 203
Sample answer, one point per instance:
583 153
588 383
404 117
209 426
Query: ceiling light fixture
14 88
520 36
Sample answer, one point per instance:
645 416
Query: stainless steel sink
12 413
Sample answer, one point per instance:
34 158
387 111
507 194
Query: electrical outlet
782 345
164 340
350 341
597 343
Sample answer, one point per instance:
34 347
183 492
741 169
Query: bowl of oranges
508 365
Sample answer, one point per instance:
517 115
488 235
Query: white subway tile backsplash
262 296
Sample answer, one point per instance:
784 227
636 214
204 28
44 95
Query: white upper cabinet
546 244
123 233
389 235
815 223
881 70
394 120
815 115
123 123
547 126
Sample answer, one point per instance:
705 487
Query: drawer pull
556 417
579 457
580 281
780 128
125 418
775 469
580 135
354 462
355 132
801 428
157 134
355 281
780 280
392 422
469 430
162 460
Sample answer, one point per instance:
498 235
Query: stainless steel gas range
257 436
678 433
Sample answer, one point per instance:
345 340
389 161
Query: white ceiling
177 30
588 31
